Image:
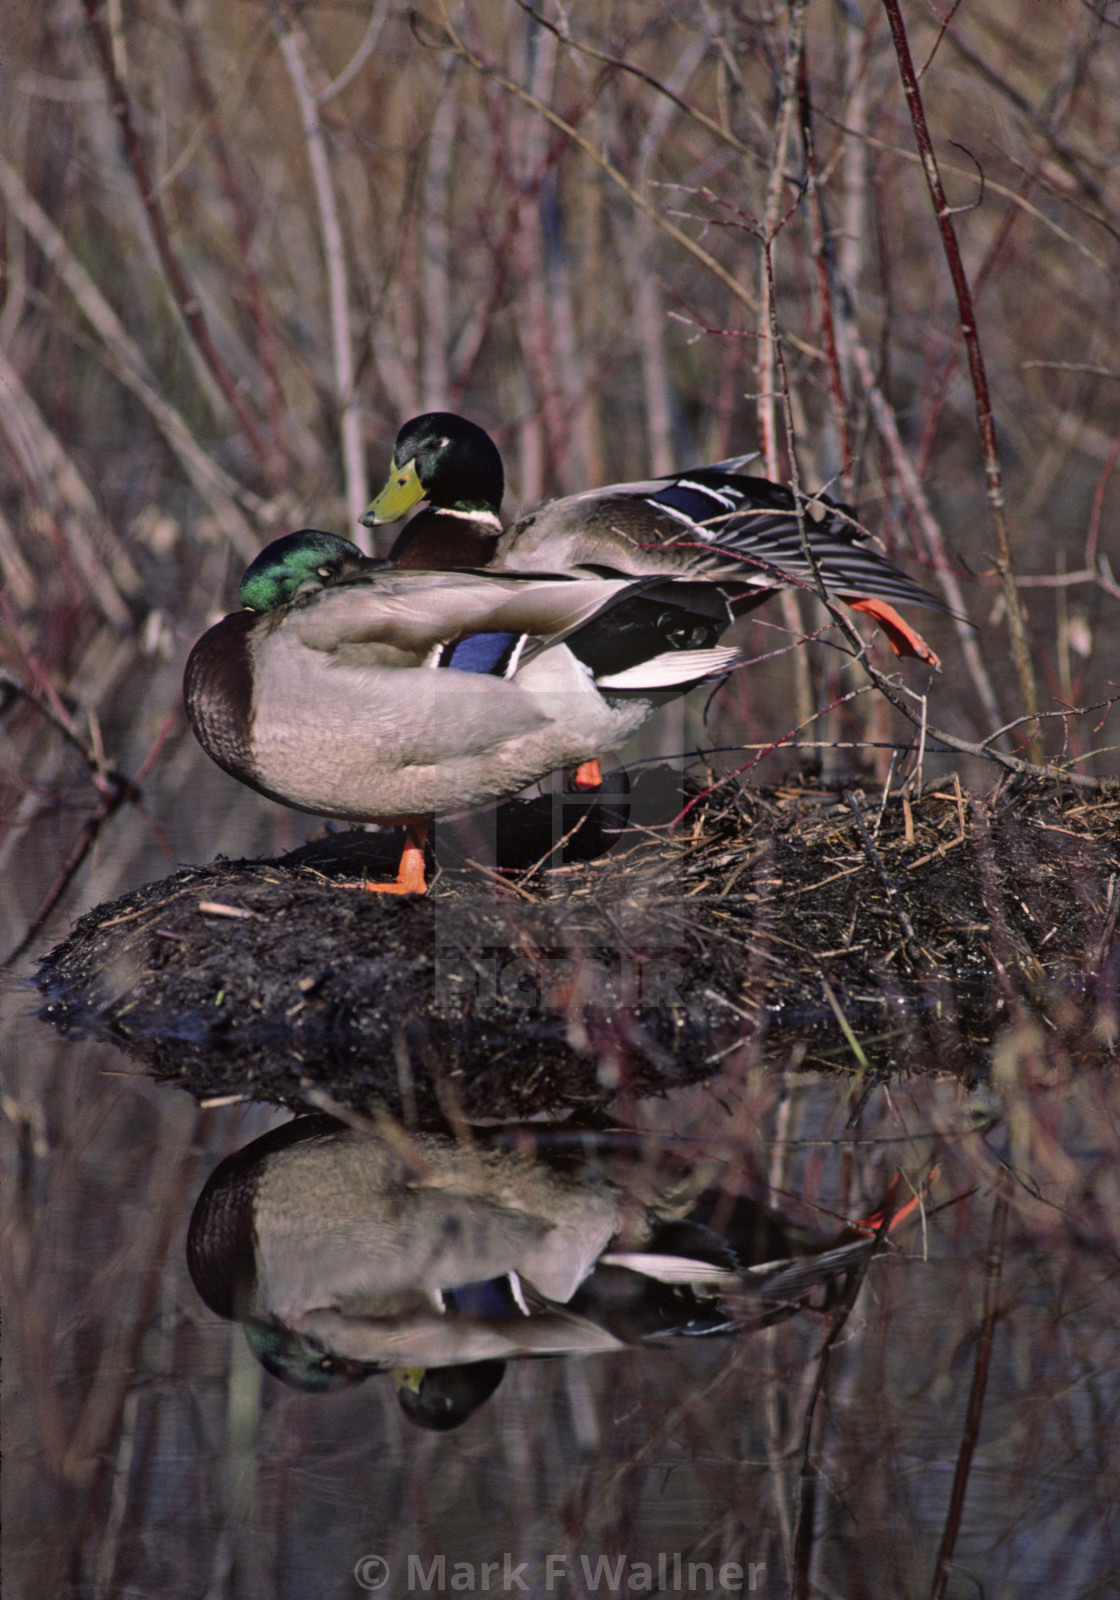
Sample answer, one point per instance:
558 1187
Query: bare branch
242 222
887 425
48 467
294 47
697 251
182 293
620 64
1085 367
984 417
126 361
361 55
980 1370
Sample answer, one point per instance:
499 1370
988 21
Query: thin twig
294 47
88 1451
821 244
114 789
985 420
361 54
887 424
975 1399
771 225
227 499
243 230
1093 537
1010 763
1003 190
884 877
805 1515
766 750
1078 167
452 41
190 307
620 64
940 395
770 352
53 479
1087 367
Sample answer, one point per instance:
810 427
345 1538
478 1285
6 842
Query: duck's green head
283 566
442 1398
301 1362
446 460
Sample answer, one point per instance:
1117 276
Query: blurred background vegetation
241 244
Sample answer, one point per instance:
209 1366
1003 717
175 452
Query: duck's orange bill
901 637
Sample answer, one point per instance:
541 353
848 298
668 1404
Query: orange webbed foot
902 638
410 877
587 775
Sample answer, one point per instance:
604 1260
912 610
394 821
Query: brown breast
218 693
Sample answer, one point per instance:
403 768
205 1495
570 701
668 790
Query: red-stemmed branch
980 1369
970 333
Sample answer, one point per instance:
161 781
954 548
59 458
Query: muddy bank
788 925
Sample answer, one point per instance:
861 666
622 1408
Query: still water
147 1449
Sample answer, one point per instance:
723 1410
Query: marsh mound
790 925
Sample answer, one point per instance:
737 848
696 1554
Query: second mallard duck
716 523
346 1253
348 689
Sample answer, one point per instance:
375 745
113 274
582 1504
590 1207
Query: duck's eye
324 572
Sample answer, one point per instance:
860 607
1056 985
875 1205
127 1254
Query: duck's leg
902 638
410 873
586 776
410 877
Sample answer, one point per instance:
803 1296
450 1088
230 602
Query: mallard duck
346 1253
715 522
348 689
309 559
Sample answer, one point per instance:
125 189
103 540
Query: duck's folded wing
435 1341
413 612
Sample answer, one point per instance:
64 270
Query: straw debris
791 925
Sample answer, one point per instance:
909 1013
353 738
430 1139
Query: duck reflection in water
345 1253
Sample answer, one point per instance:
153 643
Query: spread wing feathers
792 1279
674 668
732 463
757 521
674 1269
721 524
772 1281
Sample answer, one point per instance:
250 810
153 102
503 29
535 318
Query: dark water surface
146 1451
